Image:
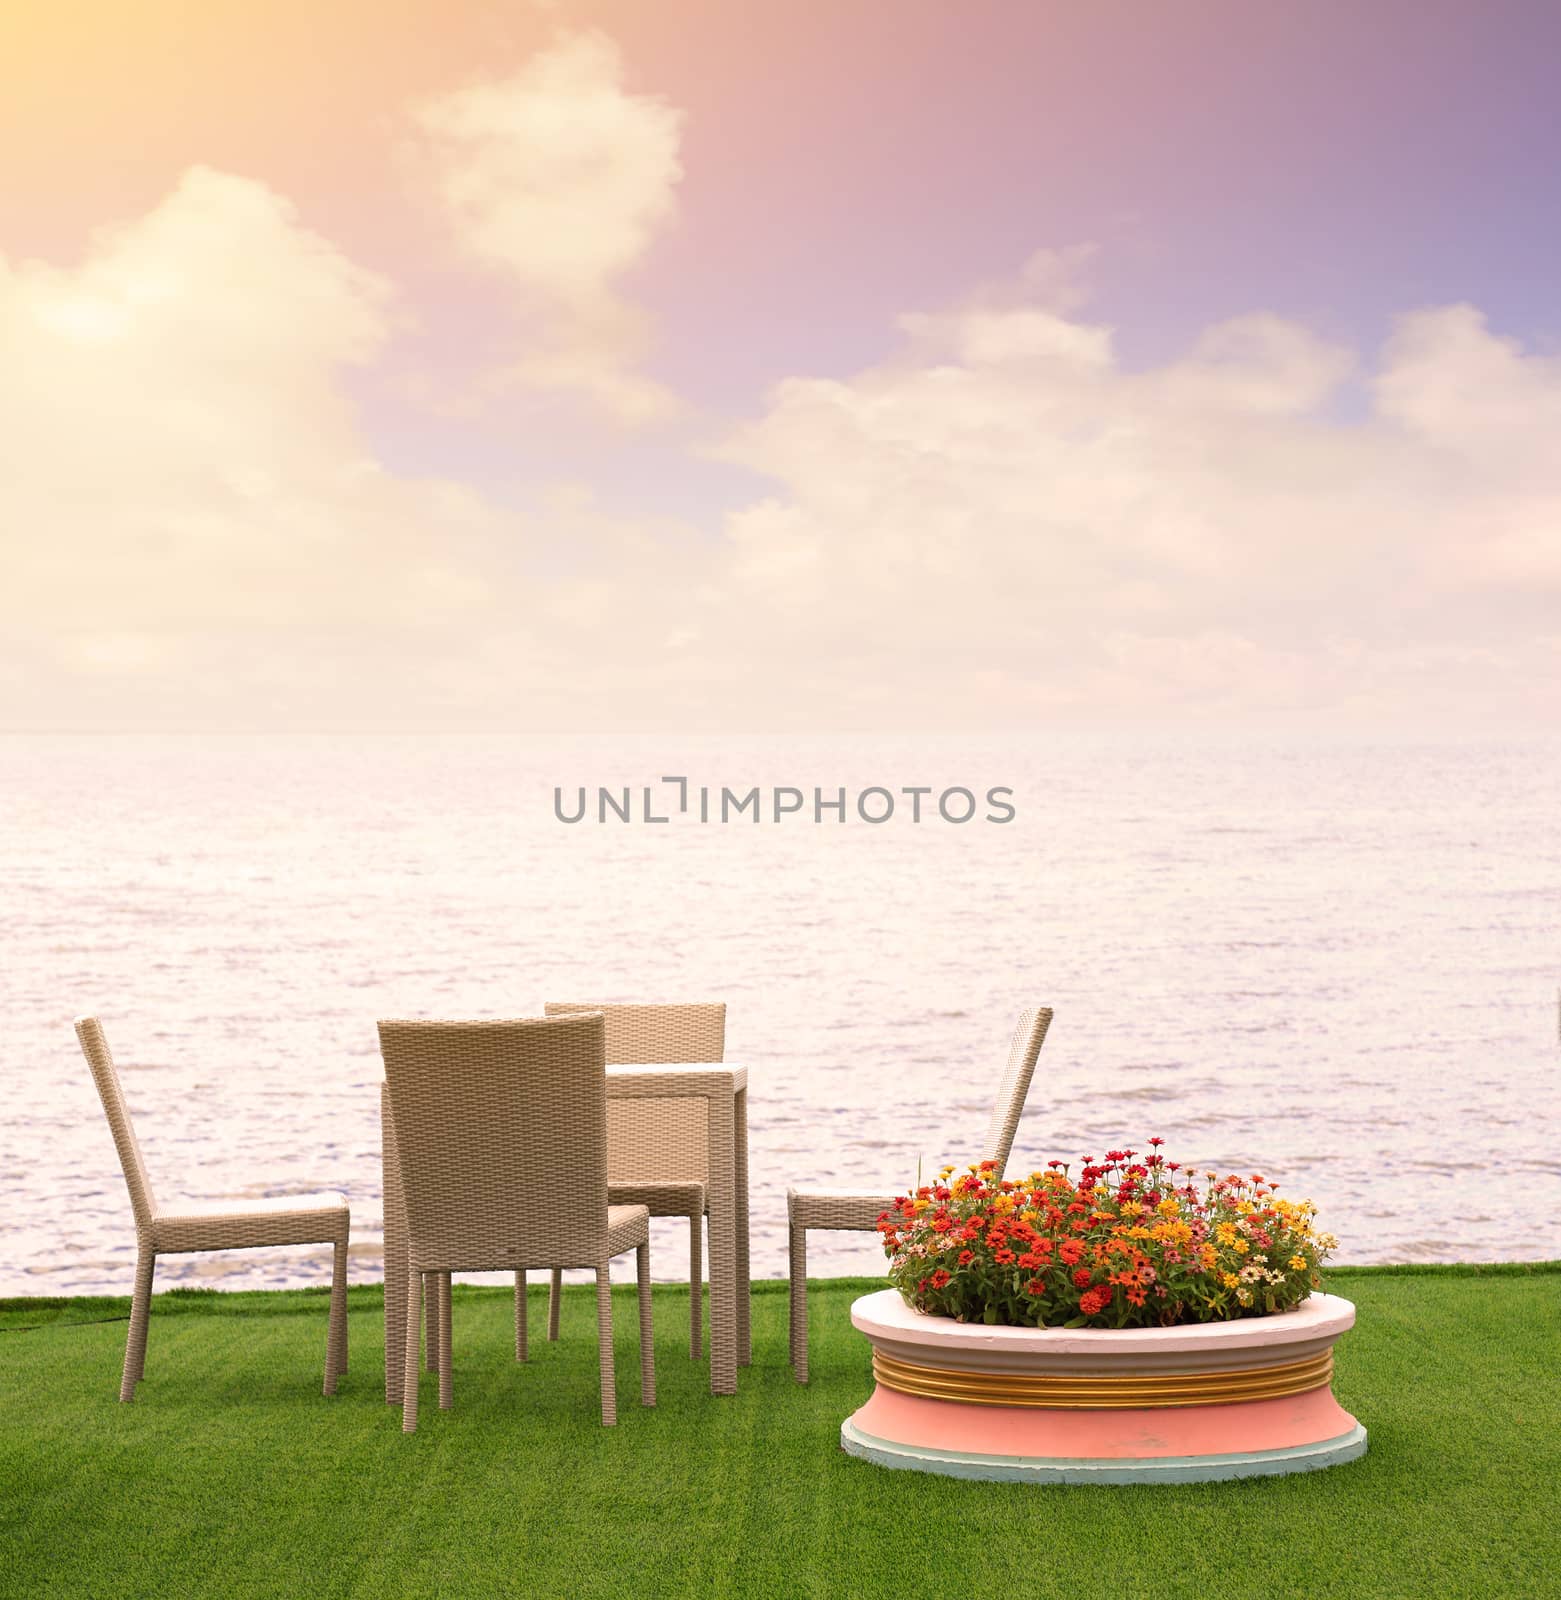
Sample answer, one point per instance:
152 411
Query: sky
717 365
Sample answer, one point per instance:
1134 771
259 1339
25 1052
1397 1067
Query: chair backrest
1029 1034
501 1132
657 1141
656 1033
89 1031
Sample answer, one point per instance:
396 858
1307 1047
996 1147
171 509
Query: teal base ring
1146 1469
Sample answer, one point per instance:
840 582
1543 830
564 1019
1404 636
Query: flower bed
1130 1243
1141 1323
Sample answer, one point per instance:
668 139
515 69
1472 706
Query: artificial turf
232 1475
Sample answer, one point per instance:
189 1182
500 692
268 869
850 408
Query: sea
1334 961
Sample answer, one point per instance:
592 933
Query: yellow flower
1229 1279
1241 1247
1226 1232
1297 1262
1169 1207
920 1205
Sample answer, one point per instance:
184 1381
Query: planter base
1184 1404
1062 1469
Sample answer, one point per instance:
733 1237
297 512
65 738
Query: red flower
1071 1251
1036 1286
1157 1141
1032 1259
966 1257
1081 1277
1004 1258
1094 1300
939 1278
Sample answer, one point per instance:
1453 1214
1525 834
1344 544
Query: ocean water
1333 963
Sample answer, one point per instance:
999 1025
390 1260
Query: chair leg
140 1314
414 1324
520 1316
431 1318
647 1340
446 1378
555 1293
696 1285
336 1337
604 1346
799 1302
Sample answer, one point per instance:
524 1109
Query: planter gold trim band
1128 1391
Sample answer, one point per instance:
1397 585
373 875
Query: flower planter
1134 1405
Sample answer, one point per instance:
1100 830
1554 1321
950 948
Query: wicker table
725 1090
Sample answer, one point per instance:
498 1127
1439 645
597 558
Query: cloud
557 179
1000 524
1022 525
186 502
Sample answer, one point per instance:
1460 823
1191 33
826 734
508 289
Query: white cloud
1023 525
186 501
559 179
1000 524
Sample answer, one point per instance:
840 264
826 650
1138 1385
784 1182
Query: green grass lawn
232 1475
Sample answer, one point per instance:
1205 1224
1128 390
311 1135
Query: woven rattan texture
501 1129
656 1033
658 1151
859 1213
182 1229
500 1145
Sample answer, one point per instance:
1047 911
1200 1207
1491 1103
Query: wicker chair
163 1230
657 1153
501 1136
859 1213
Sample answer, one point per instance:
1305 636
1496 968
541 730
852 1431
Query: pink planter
1132 1405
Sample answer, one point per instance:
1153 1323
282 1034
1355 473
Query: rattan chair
859 1213
501 1137
658 1151
163 1230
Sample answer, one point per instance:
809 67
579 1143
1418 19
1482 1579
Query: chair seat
244 1224
628 1227
853 1213
660 1199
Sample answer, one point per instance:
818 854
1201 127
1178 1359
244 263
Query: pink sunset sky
726 365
